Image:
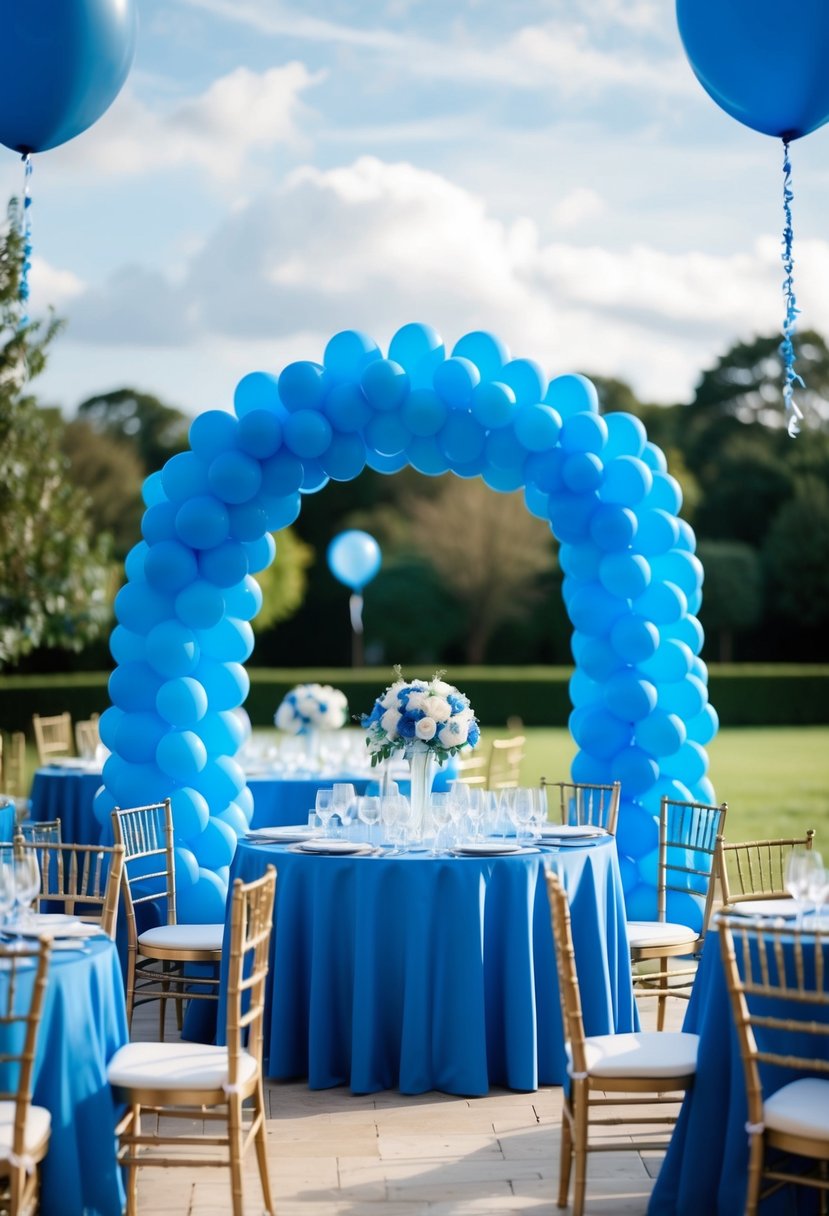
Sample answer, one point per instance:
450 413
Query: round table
424 973
68 793
83 1024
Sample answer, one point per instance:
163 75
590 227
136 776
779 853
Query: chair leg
131 1182
663 997
566 1158
580 1112
130 986
261 1142
755 1173
234 1135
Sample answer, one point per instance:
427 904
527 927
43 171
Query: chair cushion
38 1127
183 937
645 933
642 1053
801 1108
174 1066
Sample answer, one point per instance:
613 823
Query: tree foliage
53 574
797 555
284 582
153 430
733 593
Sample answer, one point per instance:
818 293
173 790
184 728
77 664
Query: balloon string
789 325
26 237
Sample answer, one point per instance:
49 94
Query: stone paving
333 1153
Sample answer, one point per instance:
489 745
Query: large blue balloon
354 558
61 65
762 61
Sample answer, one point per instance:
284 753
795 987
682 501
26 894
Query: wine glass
540 811
440 811
817 888
799 865
368 812
521 811
324 806
6 883
26 884
397 814
343 800
475 810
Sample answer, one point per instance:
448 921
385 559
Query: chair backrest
251 923
87 736
21 1004
775 963
582 804
568 980
755 869
504 767
85 879
472 767
53 735
39 831
688 834
14 765
146 832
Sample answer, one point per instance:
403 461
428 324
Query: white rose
390 698
465 716
425 728
418 684
389 722
417 700
437 708
285 717
442 688
453 733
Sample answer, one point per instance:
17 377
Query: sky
549 170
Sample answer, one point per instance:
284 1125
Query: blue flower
474 734
406 727
455 703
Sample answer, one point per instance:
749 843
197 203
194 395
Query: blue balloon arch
632 584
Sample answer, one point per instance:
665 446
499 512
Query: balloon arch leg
632 584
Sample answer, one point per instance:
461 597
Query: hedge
743 695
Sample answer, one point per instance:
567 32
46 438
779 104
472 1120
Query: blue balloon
170 566
346 407
307 433
226 684
584 433
354 558
426 457
184 476
190 812
626 481
302 385
172 649
572 394
202 522
485 350
181 755
633 637
527 379
415 346
140 607
201 605
133 686
213 432
625 574
454 381
612 527
493 404
350 352
260 553
424 413
135 561
61 66
626 435
581 472
260 433
462 439
234 477
385 384
248 520
258 392
225 565
537 426
159 523
763 62
182 701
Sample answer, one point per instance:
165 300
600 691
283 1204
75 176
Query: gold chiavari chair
25 1129
592 805
613 1070
40 831
13 750
504 765
472 767
53 736
765 966
688 834
197 1082
157 957
84 879
87 736
755 869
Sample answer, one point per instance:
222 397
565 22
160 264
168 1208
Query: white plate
74 762
62 927
787 908
51 922
487 848
326 845
287 834
561 831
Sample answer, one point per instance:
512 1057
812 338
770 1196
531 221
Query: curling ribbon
787 354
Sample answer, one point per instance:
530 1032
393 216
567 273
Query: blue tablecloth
7 820
279 801
434 973
706 1166
68 794
83 1024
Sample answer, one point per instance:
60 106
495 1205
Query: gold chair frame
684 827
81 877
53 735
40 831
87 735
20 1168
747 947
503 771
156 973
587 805
589 1092
13 764
754 869
251 923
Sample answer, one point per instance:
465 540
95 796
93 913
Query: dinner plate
787 908
570 831
487 848
286 834
332 846
60 927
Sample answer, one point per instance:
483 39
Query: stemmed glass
397 814
801 864
440 810
817 889
475 810
521 811
368 812
343 800
324 806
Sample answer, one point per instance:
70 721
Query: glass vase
422 770
312 737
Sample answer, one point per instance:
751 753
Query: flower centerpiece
310 708
427 720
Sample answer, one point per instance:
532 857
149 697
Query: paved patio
332 1152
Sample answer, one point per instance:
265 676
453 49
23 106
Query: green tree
284 582
796 555
53 574
733 593
156 431
111 472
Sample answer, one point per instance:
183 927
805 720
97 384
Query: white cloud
580 206
214 131
59 287
373 245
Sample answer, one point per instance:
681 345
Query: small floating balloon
354 558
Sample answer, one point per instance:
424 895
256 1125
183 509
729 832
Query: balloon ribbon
355 608
786 347
26 237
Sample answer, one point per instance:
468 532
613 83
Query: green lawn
775 780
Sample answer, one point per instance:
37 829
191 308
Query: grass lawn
775 780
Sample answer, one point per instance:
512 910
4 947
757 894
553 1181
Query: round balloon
354 558
61 66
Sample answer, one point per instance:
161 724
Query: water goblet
343 800
324 806
368 812
817 888
799 865
26 885
397 812
440 810
521 811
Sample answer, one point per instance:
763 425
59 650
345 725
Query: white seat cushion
38 1127
645 933
174 1066
183 937
643 1053
801 1108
